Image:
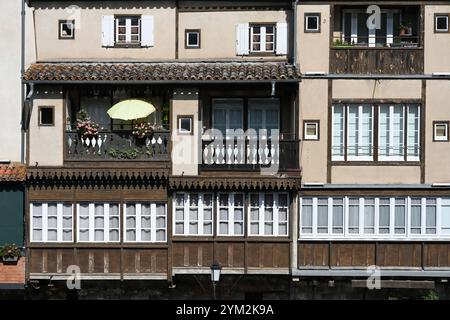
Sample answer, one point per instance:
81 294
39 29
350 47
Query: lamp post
215 276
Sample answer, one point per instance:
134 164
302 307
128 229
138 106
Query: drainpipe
22 91
294 18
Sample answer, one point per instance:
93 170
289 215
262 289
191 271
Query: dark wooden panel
35 259
437 255
192 254
377 61
149 194
313 254
230 254
399 255
146 261
352 254
268 255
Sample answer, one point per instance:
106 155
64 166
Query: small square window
312 22
46 116
440 131
192 39
185 125
66 29
441 23
311 130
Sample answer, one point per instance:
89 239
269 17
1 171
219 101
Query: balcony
116 146
250 154
393 47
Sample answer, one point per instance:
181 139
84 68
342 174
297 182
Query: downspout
294 23
22 86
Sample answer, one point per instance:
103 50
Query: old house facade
290 143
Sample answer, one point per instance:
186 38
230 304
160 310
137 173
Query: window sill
375 163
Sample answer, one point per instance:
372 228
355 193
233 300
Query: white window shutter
282 38
108 31
242 37
147 31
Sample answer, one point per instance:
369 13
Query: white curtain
338 132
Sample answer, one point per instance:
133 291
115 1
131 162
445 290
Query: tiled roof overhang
53 174
12 173
62 72
239 183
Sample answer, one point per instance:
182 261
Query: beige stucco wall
377 89
218 31
46 143
184 153
314 106
313 49
375 175
437 154
10 83
87 42
437 45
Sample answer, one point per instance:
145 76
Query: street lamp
215 276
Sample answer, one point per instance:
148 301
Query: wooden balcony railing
250 154
116 146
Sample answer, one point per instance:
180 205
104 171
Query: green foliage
430 295
131 153
10 251
338 43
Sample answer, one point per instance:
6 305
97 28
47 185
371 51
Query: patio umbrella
131 110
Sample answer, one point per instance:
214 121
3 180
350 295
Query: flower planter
10 260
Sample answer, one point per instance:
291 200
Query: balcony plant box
10 254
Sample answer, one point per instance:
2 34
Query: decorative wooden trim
40 124
186 31
236 183
447 123
312 14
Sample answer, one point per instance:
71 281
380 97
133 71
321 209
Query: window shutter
242 35
282 38
147 31
108 31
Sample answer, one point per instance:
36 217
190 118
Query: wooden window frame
91 221
313 122
186 215
186 38
447 125
310 15
40 124
60 23
138 215
275 215
231 206
179 118
44 226
392 203
439 15
263 42
125 44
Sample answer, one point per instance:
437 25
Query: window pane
416 215
338 216
338 131
384 216
400 218
430 223
307 215
322 216
353 215
413 131
369 216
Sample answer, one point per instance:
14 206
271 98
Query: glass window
51 222
66 29
145 222
98 222
312 22
128 30
306 222
192 39
262 38
231 214
353 215
441 23
440 131
46 116
369 216
193 214
269 214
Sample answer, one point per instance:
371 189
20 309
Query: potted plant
405 28
86 128
141 131
10 253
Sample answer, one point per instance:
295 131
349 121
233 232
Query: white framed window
192 39
352 124
230 211
311 130
441 23
312 22
145 222
351 218
66 29
128 29
185 125
394 144
269 214
262 38
98 222
440 131
51 222
193 214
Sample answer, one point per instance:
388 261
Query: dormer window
128 30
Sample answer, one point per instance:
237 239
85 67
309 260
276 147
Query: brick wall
13 273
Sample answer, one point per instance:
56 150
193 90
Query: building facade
292 143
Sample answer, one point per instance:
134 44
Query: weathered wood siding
377 61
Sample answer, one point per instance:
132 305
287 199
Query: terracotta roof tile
176 71
12 172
